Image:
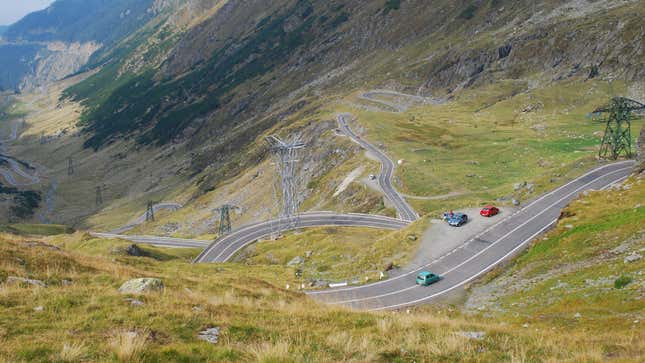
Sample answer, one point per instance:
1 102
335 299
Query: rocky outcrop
141 286
57 61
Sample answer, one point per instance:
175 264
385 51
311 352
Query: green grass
579 268
84 318
483 142
339 254
37 229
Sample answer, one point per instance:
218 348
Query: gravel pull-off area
440 238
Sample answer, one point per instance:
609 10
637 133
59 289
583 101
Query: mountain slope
58 41
178 109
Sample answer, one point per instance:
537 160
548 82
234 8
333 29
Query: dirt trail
397 101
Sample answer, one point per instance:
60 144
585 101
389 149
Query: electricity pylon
225 218
150 212
285 154
617 115
99 195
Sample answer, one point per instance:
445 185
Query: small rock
476 335
620 249
525 325
296 261
66 282
516 202
198 309
412 237
560 285
569 226
39 309
140 286
22 280
578 316
633 257
210 335
134 302
308 254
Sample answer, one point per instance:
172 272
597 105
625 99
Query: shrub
622 281
469 12
391 5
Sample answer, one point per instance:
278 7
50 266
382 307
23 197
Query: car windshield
486 209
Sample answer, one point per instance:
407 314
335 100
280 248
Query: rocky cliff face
57 61
51 44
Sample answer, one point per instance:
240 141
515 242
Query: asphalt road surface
478 255
404 210
158 241
225 248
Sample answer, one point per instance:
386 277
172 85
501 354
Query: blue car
427 278
457 219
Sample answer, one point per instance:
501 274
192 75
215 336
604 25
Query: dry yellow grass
129 344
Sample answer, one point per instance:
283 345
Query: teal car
426 278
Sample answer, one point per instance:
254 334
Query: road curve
223 249
157 241
479 254
404 210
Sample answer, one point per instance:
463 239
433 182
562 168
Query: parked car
426 278
489 211
457 219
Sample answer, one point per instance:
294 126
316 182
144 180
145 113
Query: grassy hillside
580 276
80 316
338 254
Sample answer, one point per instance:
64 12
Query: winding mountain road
223 249
470 260
404 210
479 254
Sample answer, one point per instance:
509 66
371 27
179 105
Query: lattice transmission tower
150 212
99 195
70 166
286 160
225 218
617 115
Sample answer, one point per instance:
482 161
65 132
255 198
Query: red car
489 211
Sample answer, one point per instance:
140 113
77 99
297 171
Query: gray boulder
210 335
141 286
633 257
296 261
24 281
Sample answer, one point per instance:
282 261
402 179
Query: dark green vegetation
166 108
36 229
469 12
24 202
622 281
391 5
